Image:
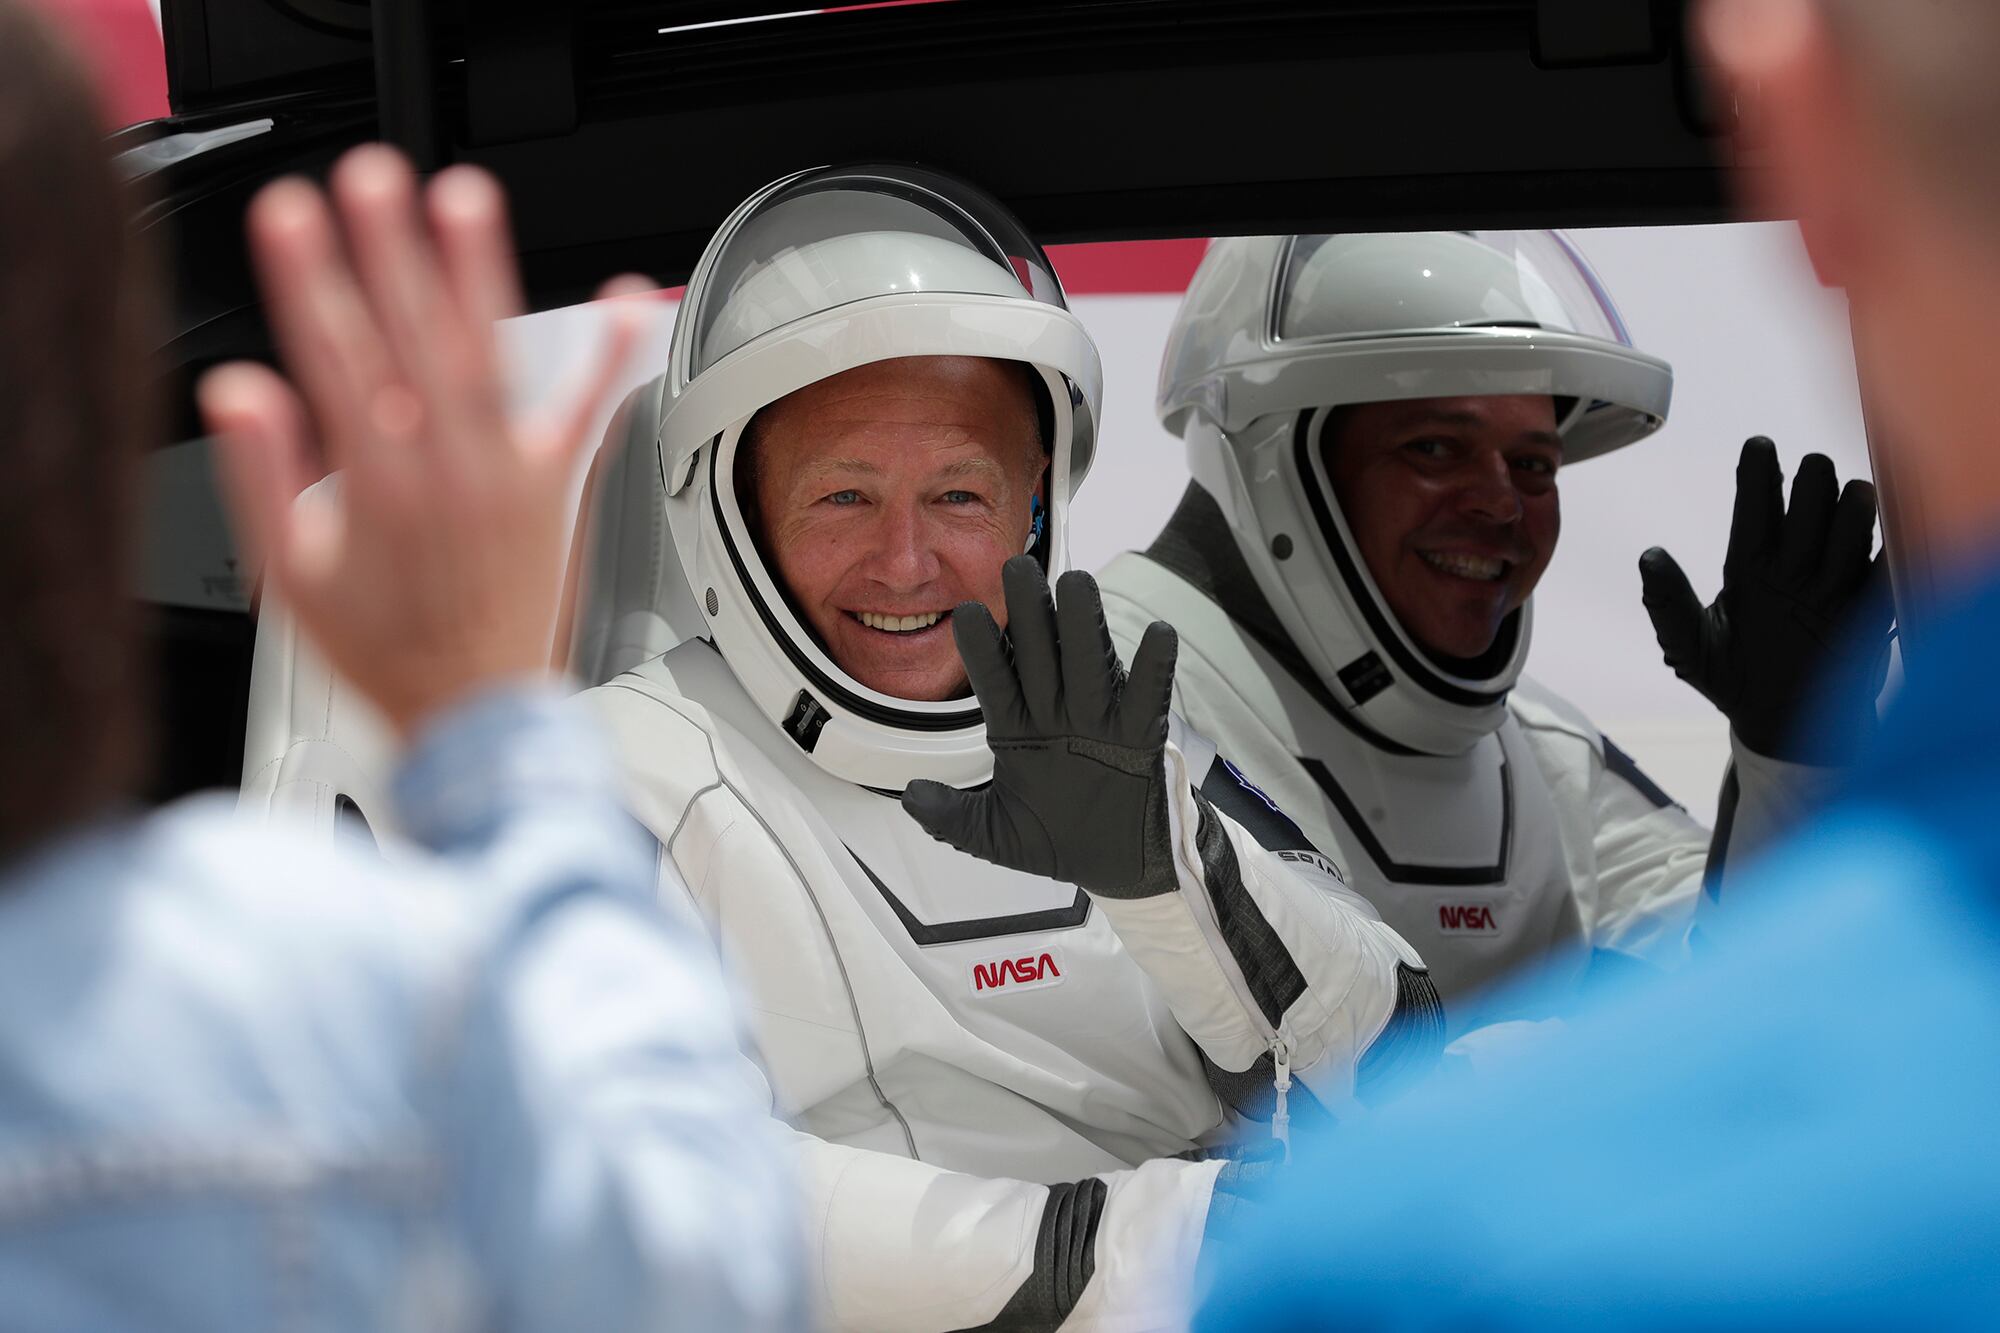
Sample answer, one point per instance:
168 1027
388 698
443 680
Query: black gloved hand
1079 782
1793 585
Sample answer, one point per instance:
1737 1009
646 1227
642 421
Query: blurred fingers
628 310
468 215
1751 38
261 450
317 314
435 348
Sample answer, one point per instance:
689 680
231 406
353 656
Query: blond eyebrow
860 467
968 466
821 466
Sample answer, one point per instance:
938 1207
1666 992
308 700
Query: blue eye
844 498
959 497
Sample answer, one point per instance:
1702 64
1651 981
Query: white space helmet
1278 331
813 275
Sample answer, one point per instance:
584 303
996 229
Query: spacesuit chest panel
971 930
1462 854
1028 986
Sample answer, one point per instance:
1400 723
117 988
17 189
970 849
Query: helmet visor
1374 285
831 237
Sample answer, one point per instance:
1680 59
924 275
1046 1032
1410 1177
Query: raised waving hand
435 566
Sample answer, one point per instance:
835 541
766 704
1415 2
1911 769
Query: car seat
318 752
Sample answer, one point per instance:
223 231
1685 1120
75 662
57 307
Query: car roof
624 132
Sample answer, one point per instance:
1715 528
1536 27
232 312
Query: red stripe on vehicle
879 4
1103 268
120 43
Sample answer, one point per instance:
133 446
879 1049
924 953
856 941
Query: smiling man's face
1452 502
886 496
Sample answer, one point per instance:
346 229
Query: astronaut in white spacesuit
1005 1070
1374 424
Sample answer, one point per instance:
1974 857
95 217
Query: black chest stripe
1399 872
1620 763
979 928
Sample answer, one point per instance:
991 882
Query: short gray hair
1931 64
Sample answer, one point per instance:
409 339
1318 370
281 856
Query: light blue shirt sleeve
1788 1134
610 1160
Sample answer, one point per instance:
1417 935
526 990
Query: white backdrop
1757 348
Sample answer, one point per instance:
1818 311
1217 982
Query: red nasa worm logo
1028 971
1467 919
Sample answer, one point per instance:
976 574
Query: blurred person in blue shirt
247 1082
1793 1132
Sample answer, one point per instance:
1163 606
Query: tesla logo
1027 972
1475 919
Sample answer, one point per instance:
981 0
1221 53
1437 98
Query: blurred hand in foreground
436 566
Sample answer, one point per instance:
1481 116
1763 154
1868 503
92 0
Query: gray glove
1794 585
1079 783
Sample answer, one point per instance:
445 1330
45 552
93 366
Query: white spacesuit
1002 1085
1484 817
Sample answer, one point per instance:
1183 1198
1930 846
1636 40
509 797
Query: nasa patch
1467 919
1037 969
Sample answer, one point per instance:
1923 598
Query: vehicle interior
625 131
